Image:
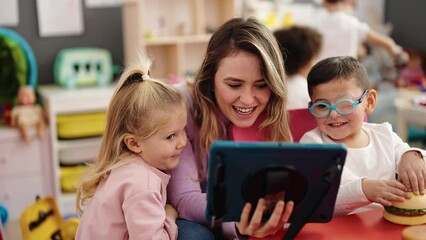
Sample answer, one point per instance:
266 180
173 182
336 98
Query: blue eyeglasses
343 106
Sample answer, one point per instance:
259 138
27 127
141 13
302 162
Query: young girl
340 99
125 188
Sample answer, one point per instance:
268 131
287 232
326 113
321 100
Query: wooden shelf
174 52
58 101
25 170
171 40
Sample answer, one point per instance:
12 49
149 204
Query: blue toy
83 67
17 66
4 214
32 64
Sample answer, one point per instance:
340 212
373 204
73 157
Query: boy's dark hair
343 68
299 45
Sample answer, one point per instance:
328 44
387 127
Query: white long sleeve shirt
378 160
342 33
297 92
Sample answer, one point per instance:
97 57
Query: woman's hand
412 172
384 191
254 226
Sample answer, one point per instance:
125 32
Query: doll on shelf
27 114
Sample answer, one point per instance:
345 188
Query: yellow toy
43 221
27 114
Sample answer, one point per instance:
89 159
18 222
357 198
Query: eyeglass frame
333 107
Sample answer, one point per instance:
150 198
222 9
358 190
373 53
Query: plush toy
27 114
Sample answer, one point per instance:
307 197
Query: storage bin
81 125
70 177
79 152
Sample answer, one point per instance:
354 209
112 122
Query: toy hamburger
409 212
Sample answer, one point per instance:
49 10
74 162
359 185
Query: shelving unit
173 33
59 101
24 170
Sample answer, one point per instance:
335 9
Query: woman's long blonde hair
130 111
234 36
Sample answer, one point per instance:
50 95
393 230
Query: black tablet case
237 168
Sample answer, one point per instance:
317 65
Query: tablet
240 172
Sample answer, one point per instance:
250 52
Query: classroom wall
102 28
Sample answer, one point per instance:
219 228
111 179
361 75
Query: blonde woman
124 193
241 80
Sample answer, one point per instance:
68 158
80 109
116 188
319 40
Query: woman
241 78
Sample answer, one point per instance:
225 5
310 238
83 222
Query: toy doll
27 114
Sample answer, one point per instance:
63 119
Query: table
408 113
364 225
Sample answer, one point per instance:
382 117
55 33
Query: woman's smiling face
240 90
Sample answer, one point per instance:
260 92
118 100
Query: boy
300 47
340 99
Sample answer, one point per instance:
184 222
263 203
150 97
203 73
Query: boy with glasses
340 101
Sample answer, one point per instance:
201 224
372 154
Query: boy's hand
384 191
412 172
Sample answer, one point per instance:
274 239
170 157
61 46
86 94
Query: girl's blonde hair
131 111
234 36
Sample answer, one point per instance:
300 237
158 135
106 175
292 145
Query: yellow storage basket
70 177
81 125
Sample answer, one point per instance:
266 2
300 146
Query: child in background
412 74
125 188
300 47
343 33
341 98
371 64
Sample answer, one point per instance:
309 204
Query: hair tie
145 77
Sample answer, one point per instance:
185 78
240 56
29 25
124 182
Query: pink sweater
129 204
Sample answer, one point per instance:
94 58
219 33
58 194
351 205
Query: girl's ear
132 143
371 100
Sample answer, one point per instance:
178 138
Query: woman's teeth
244 110
337 124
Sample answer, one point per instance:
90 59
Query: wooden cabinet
174 34
24 170
58 101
